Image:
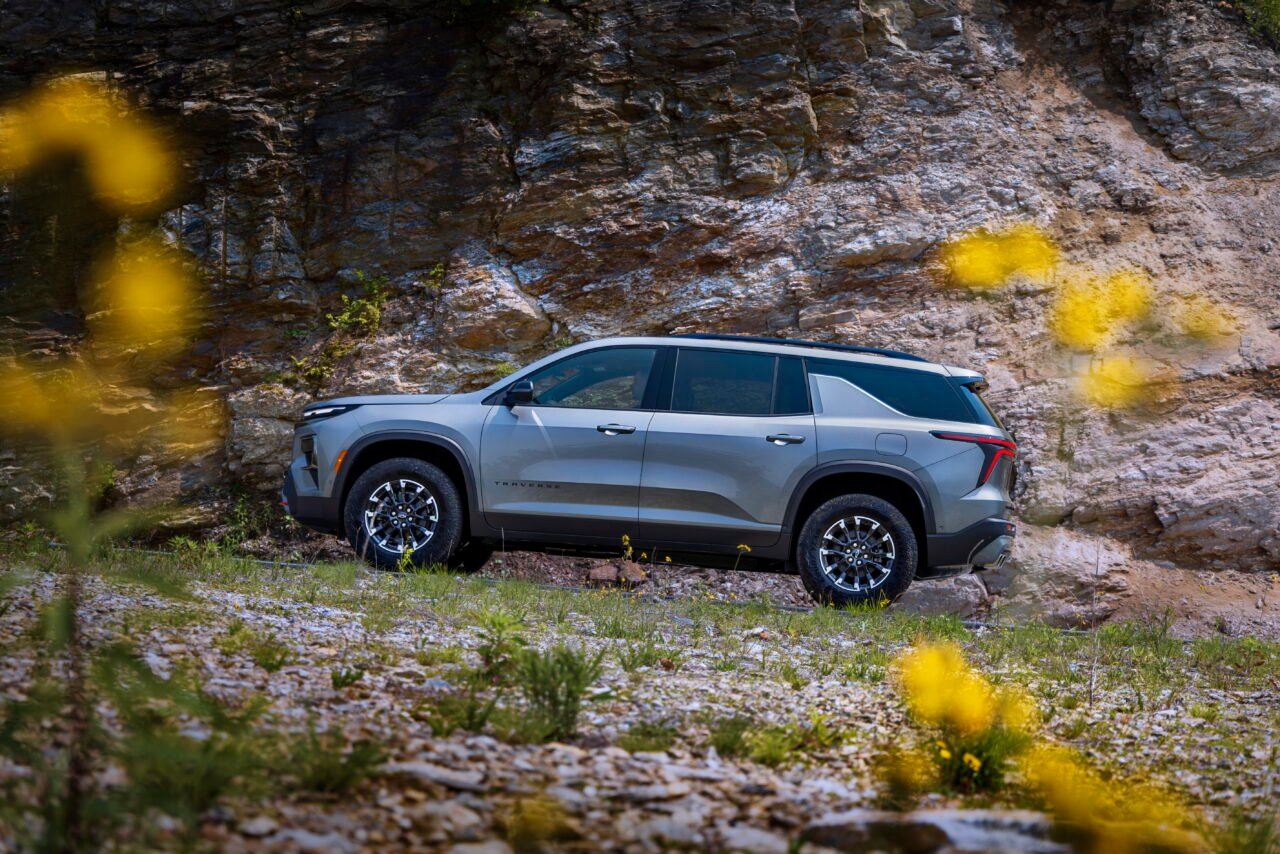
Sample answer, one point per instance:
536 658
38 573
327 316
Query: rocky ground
1056 577
1196 719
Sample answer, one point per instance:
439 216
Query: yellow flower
1079 318
743 547
1127 295
1017 710
145 299
127 162
1115 382
644 555
666 559
974 763
986 259
944 753
1028 250
1201 318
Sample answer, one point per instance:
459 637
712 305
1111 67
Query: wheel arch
898 486
438 450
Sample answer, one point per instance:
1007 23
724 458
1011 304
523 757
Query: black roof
847 348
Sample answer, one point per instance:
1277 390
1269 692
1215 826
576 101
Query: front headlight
317 413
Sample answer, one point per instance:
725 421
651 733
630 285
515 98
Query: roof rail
848 348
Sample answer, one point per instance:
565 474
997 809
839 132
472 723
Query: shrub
501 638
1263 16
345 677
325 762
728 735
553 684
783 745
362 315
469 710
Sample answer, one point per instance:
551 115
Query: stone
963 596
925 831
465 781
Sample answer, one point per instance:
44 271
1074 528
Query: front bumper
320 513
986 543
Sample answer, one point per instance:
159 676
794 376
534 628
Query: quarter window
916 393
723 382
614 378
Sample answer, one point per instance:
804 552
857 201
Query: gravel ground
1214 744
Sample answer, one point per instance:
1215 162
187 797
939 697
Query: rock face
782 167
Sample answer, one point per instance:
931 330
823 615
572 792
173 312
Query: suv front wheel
403 505
856 549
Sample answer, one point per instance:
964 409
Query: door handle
784 439
615 429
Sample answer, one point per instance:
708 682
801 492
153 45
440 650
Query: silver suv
860 469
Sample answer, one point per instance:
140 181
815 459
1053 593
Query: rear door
721 465
569 463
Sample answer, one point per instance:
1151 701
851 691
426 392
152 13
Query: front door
720 467
569 462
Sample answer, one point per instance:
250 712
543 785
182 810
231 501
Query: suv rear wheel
403 505
856 549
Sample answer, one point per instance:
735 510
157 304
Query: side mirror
521 391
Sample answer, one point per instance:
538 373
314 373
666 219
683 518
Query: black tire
447 532
902 569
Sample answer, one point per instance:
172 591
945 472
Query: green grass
1263 16
647 737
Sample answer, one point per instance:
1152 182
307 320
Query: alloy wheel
857 553
401 515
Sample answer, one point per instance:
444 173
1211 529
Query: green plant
728 735
1243 834
501 639
554 684
345 677
434 656
270 653
789 673
433 279
362 315
325 762
469 709
646 737
504 369
789 743
1263 16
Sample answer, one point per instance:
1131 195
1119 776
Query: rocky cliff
787 167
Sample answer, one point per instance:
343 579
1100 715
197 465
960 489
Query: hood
380 399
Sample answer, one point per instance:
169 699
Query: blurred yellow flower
1126 295
1078 317
986 259
1029 251
129 165
1115 382
1202 318
145 299
974 763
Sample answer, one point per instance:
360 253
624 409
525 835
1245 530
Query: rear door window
916 393
723 382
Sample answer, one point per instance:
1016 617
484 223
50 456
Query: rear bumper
982 544
316 512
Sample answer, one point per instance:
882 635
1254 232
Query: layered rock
784 167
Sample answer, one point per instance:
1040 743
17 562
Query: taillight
992 450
